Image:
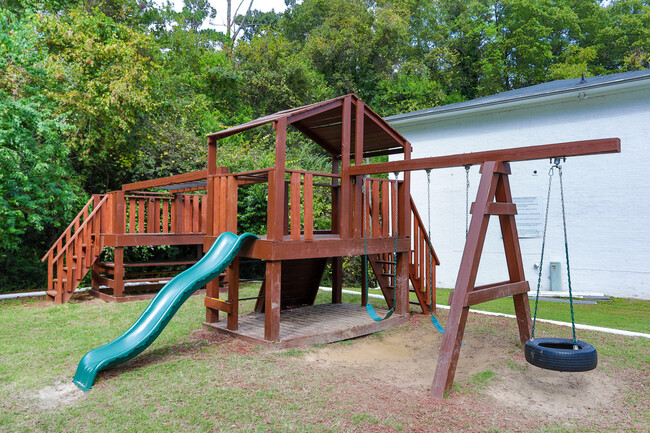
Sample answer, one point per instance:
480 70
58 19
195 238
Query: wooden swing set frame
493 197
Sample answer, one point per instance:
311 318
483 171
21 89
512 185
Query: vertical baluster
204 213
385 208
131 228
165 215
187 213
156 215
223 203
309 206
424 260
375 209
196 214
150 216
295 206
232 204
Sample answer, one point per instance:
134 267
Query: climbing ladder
76 250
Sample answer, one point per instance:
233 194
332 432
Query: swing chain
541 259
566 250
429 252
395 237
467 167
556 164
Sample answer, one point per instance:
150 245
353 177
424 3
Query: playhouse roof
322 123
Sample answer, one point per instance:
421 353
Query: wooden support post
346 181
513 257
493 185
212 291
275 231
404 229
337 280
275 219
358 160
118 277
233 294
272 293
94 281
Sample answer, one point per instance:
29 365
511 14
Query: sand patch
57 396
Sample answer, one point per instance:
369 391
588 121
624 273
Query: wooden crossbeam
218 304
167 181
571 148
478 295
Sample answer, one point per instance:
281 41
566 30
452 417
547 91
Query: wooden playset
372 217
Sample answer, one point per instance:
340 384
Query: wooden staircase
76 250
422 267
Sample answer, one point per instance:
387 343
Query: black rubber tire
558 354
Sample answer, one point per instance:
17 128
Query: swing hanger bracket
556 160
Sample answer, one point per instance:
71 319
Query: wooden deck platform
315 324
323 245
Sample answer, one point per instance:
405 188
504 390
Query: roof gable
322 122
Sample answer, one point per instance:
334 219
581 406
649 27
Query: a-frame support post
493 185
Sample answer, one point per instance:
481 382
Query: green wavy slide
160 311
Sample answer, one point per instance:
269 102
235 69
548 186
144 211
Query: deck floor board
316 324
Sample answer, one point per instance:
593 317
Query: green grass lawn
190 379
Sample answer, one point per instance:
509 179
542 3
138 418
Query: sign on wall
530 217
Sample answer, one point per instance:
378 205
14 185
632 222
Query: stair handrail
416 214
85 208
76 233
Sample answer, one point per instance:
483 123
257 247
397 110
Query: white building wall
607 196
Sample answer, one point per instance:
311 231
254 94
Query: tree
353 44
101 82
39 191
276 75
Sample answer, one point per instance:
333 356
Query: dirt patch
58 396
407 359
410 357
563 395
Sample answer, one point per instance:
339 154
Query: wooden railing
379 200
300 203
148 213
223 213
76 250
423 262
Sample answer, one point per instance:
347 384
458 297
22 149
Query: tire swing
559 354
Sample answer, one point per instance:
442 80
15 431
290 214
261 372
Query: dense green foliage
98 93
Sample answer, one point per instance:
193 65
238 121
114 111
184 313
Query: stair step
388 274
414 303
51 292
385 262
